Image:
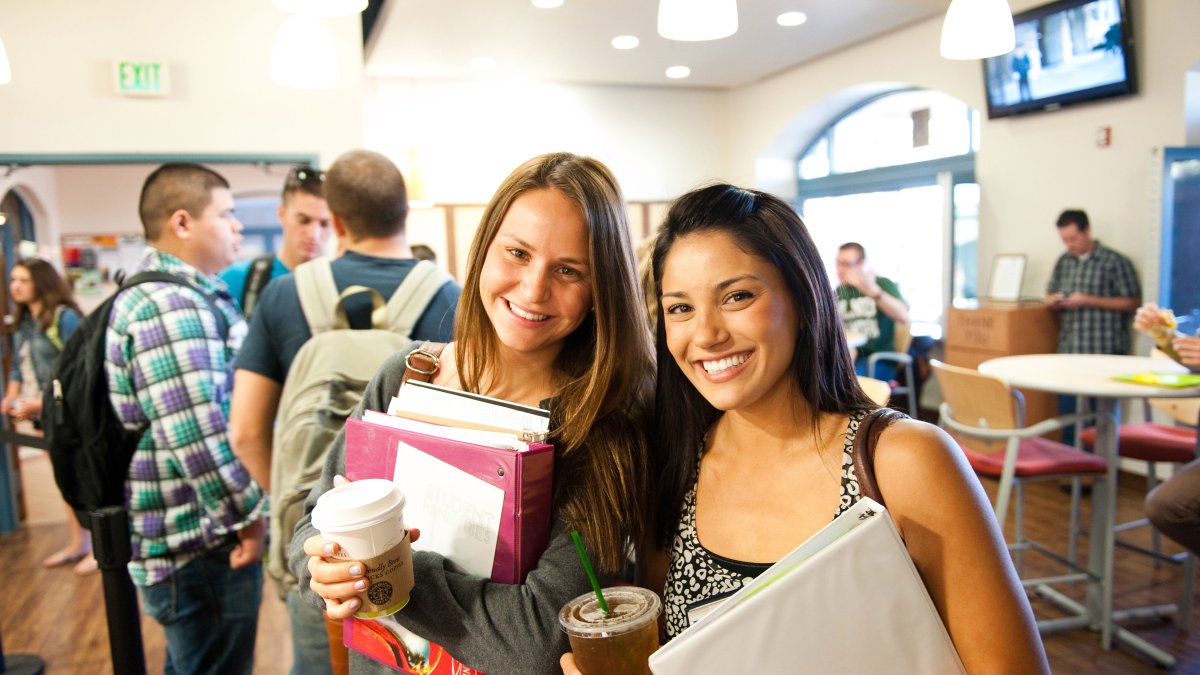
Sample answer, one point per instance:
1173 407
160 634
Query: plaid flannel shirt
186 492
1088 330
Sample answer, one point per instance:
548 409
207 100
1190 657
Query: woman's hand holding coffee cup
338 581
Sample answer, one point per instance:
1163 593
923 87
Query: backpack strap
167 277
318 293
54 330
256 280
412 297
421 363
865 440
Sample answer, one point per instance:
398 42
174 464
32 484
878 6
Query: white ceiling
438 39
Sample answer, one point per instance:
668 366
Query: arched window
897 174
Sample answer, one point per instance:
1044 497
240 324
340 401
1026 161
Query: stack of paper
848 600
477 478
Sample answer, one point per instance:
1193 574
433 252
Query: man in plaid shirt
1094 289
195 513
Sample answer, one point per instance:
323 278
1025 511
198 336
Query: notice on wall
92 260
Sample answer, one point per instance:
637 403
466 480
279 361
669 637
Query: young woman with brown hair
549 315
46 316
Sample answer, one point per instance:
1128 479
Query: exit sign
142 78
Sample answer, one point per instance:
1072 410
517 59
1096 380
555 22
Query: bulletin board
92 260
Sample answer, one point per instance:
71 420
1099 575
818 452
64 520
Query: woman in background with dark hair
757 409
45 317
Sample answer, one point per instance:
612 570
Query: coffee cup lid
357 504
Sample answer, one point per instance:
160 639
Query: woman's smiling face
730 322
536 279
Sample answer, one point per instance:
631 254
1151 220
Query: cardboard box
1003 328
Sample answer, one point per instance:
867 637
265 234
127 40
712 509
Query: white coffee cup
366 519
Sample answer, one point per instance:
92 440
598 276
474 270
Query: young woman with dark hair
757 408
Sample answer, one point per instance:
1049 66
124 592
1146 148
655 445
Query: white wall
61 96
456 140
1030 168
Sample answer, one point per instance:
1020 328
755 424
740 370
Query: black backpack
256 280
90 449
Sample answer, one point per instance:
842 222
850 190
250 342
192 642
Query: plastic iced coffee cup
366 520
621 642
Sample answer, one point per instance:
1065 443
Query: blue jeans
209 613
310 639
884 370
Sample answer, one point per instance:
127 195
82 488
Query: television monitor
1067 52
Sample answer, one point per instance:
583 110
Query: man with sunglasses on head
306 223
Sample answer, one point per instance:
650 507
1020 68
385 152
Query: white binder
848 600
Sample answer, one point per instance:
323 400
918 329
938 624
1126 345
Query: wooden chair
987 418
903 361
877 390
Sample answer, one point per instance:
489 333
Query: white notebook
848 600
441 405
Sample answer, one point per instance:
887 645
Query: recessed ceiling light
678 72
625 42
791 18
483 63
547 4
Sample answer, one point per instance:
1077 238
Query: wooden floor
60 617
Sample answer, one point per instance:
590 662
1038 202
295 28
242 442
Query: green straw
587 567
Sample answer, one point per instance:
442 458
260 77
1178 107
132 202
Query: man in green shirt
870 306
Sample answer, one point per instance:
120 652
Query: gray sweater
491 627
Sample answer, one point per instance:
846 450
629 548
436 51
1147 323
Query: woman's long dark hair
766 227
48 287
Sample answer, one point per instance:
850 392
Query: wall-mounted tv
1067 52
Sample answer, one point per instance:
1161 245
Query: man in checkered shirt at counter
1094 289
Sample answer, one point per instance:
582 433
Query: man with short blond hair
369 205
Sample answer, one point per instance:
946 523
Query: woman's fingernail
328 548
356 570
354 603
360 585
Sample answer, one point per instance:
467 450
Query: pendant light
977 29
697 20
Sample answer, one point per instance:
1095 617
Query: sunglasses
304 177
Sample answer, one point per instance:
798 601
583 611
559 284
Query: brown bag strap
865 440
421 363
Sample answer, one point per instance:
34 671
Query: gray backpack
326 381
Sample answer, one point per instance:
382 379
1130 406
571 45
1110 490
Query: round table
1092 375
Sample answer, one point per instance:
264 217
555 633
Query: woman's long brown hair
48 287
599 414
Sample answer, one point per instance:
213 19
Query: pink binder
525 477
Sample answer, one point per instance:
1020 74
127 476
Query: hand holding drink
365 519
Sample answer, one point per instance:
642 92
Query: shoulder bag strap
318 293
865 441
421 363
